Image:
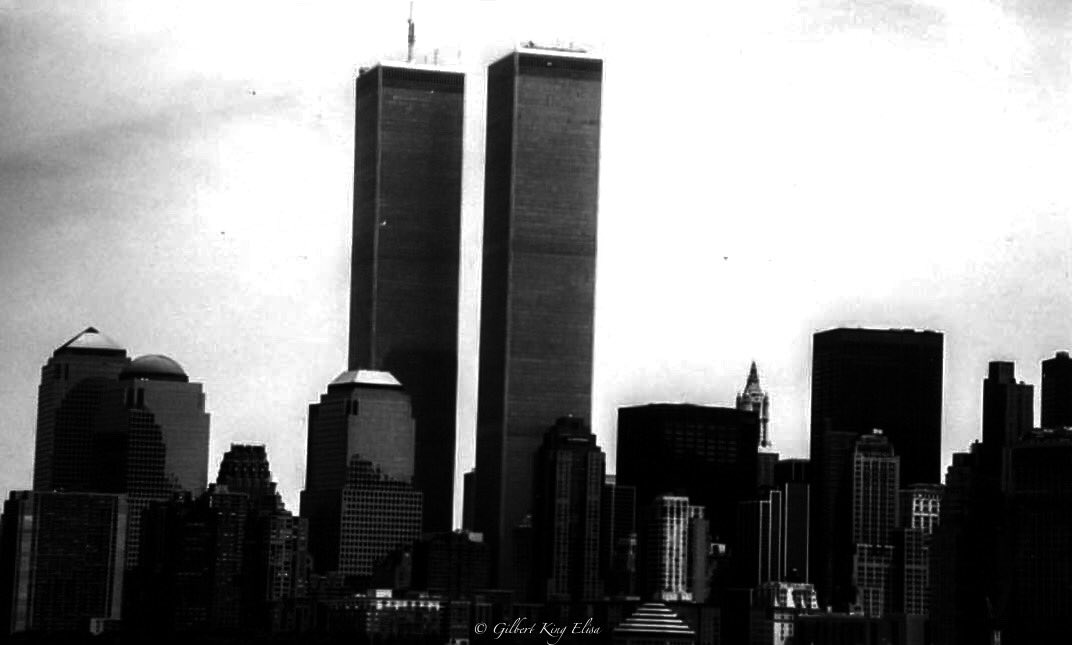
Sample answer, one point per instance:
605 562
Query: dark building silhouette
963 575
566 507
469 500
68 400
233 559
765 464
975 570
538 288
454 565
618 538
792 478
406 244
1038 593
1008 406
858 629
1057 391
706 453
366 415
191 564
864 379
275 546
1002 561
62 561
760 533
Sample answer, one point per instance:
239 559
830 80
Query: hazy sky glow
179 174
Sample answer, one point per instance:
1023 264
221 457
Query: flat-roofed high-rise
862 380
537 304
360 443
406 238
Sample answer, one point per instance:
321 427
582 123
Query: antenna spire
411 39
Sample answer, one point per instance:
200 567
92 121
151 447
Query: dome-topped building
155 367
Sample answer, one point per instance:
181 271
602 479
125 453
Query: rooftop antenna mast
412 39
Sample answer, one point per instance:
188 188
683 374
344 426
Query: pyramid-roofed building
654 623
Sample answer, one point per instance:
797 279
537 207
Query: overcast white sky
179 174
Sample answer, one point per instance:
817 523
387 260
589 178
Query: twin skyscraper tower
541 178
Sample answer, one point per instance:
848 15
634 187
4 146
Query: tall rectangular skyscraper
862 380
537 305
406 237
1057 391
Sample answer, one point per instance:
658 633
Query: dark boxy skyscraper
863 379
1057 391
407 223
706 453
537 306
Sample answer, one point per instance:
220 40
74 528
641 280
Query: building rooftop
655 618
374 378
530 47
91 340
154 367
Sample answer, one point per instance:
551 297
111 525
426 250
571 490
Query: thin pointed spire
753 374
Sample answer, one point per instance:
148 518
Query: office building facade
674 556
406 246
379 514
566 507
364 414
538 287
62 558
875 486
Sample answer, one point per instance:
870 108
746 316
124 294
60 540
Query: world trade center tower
538 282
406 237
